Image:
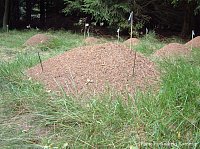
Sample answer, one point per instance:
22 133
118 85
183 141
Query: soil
95 69
195 43
92 40
172 49
134 42
37 39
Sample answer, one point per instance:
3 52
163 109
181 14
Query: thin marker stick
7 28
193 34
40 61
131 30
88 31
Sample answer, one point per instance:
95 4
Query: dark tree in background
28 11
6 15
14 16
1 12
42 12
190 20
179 16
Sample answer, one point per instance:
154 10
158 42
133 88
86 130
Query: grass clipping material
37 39
92 69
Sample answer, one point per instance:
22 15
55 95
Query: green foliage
114 13
196 2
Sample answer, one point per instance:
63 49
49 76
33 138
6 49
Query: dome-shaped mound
133 41
195 43
90 69
172 49
37 39
92 40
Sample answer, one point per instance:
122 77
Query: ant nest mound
132 41
194 43
171 50
95 69
37 39
92 40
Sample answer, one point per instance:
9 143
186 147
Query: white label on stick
147 31
193 34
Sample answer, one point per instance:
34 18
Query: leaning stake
40 61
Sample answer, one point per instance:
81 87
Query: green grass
12 43
30 117
173 114
149 44
14 39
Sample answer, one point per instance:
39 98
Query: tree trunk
42 13
6 15
16 10
28 11
14 14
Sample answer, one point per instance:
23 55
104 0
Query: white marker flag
130 17
118 30
193 34
118 34
147 31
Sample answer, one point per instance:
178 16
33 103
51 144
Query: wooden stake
193 34
40 61
134 62
131 17
7 27
88 31
85 30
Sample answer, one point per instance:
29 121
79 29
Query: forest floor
33 117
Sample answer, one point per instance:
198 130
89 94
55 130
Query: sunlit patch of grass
14 38
149 44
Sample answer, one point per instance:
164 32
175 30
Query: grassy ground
30 117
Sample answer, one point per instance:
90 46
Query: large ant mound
37 39
172 49
132 41
92 69
92 40
195 43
